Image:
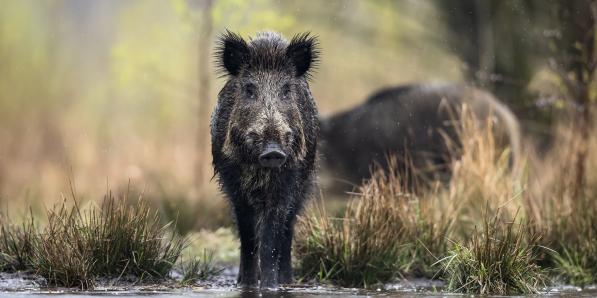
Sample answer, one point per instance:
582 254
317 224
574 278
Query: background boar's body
409 122
264 139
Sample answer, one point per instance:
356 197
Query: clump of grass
384 233
199 269
130 240
329 251
16 245
63 256
500 260
118 239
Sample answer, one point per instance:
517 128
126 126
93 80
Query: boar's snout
272 156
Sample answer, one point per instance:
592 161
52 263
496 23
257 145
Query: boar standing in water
264 138
409 120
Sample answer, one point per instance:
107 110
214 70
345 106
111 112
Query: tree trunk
204 45
583 127
486 55
575 64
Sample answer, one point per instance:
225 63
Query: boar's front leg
269 250
245 220
285 275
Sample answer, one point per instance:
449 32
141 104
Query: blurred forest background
112 93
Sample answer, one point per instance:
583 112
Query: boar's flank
264 137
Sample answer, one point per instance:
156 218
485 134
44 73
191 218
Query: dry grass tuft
499 260
17 243
114 240
131 240
78 246
484 178
63 255
385 232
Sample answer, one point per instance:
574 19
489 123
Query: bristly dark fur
273 52
306 61
230 43
265 102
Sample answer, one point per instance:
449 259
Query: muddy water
298 293
218 293
15 285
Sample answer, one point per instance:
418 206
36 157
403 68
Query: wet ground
21 285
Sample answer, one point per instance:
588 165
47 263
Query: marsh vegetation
494 228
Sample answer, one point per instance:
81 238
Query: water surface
21 285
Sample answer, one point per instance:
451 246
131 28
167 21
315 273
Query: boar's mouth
272 156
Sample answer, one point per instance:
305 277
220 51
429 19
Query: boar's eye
250 91
286 92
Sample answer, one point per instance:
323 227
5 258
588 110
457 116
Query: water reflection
297 293
294 294
279 294
321 293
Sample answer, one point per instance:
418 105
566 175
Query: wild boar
264 133
410 122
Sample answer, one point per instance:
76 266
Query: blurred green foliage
109 89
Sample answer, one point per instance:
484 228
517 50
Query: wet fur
265 201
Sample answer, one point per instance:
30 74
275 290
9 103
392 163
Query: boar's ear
303 51
231 53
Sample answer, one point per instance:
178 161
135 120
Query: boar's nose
272 156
